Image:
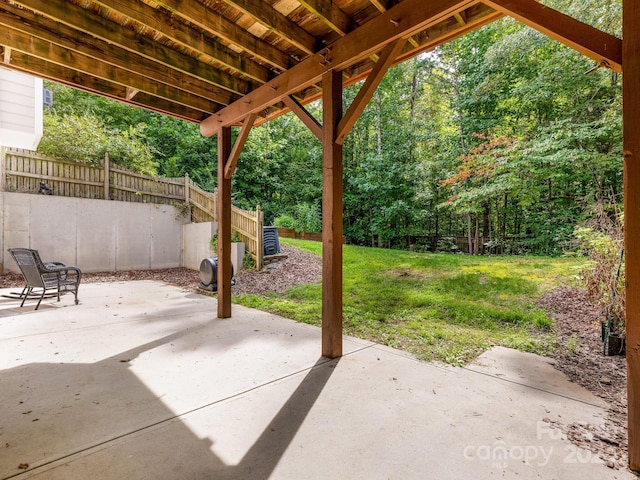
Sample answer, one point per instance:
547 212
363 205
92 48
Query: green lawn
438 306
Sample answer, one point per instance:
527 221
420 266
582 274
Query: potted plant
237 250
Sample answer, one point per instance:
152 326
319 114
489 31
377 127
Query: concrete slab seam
531 387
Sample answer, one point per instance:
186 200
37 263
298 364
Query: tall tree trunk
469 237
486 221
436 232
476 250
373 238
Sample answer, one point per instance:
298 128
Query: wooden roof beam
51 52
88 83
381 5
94 25
402 21
591 42
329 13
428 39
215 24
95 36
278 23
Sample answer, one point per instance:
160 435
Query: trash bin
209 274
270 240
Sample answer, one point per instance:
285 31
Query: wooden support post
331 216
224 225
631 152
187 188
107 173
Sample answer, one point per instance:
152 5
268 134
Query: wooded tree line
498 135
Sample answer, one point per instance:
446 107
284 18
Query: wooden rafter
206 19
403 20
45 29
101 28
329 13
99 86
45 50
460 18
591 42
278 23
381 5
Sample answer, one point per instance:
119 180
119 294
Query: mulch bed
579 355
300 267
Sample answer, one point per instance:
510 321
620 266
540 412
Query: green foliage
497 135
604 275
213 241
248 261
136 139
128 149
440 307
285 221
73 137
85 139
307 218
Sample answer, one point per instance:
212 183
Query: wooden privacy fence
24 171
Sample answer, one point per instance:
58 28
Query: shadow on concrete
105 418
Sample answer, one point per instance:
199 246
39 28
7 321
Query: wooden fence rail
24 171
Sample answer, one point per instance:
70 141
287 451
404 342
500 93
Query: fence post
106 177
215 204
186 189
259 240
3 169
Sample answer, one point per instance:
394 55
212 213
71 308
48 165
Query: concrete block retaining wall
95 235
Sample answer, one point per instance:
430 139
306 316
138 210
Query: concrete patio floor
141 381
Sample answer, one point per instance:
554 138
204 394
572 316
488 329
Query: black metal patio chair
53 277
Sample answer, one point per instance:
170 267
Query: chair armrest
51 268
54 264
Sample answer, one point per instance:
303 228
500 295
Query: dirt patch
300 267
579 355
407 273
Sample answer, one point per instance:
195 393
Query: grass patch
440 307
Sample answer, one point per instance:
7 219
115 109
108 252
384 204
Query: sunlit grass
441 307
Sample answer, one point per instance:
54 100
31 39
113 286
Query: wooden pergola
236 63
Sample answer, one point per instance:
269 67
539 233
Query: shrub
603 276
307 217
285 221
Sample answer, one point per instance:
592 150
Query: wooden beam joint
306 118
367 90
238 146
591 42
